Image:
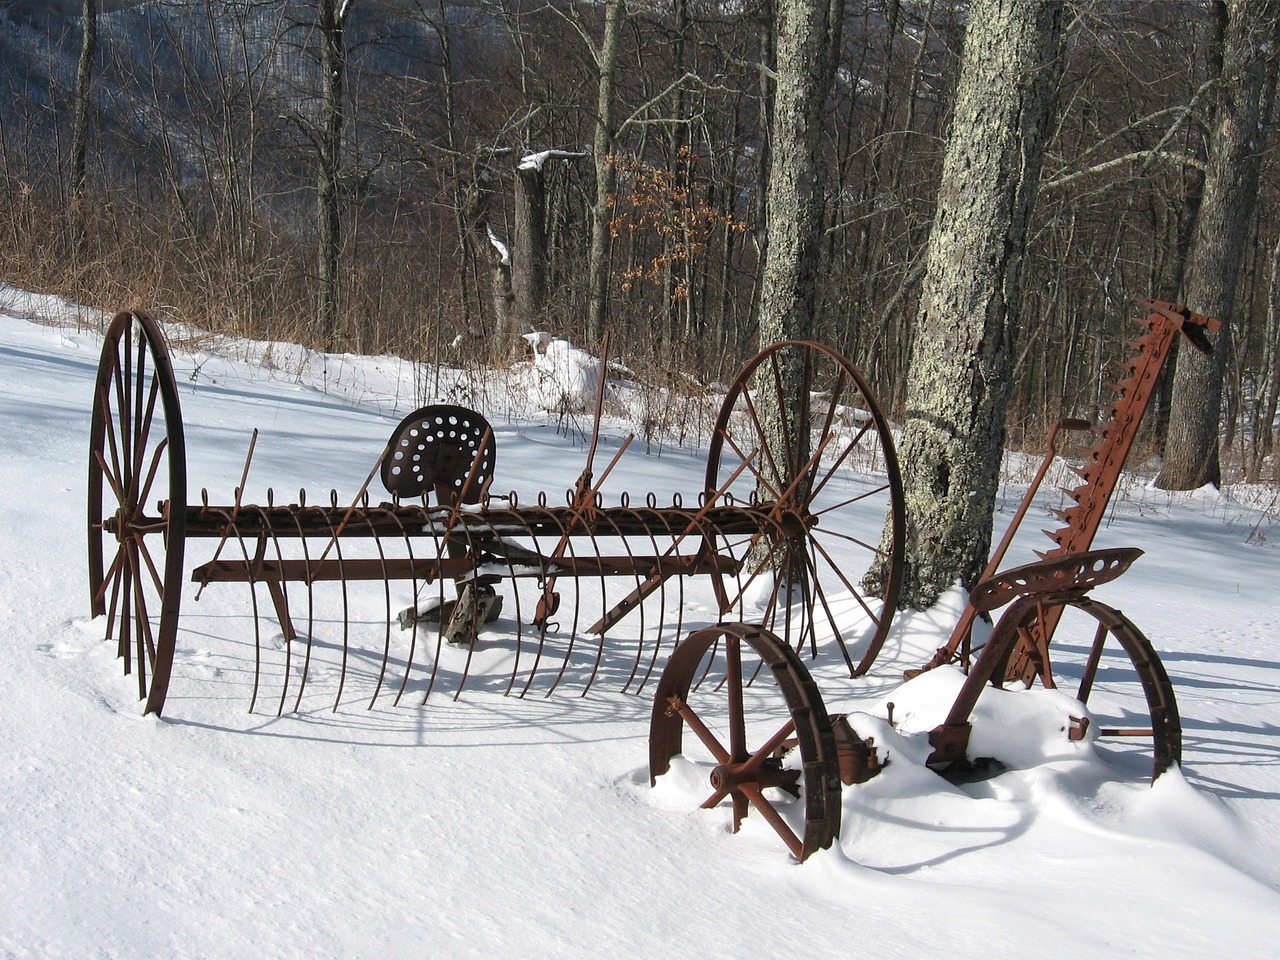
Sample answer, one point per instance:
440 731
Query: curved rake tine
252 580
413 635
475 627
708 663
336 544
369 514
282 611
518 616
430 515
488 519
653 540
311 607
573 633
609 518
662 608
542 627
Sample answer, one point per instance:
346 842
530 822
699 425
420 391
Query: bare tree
80 123
331 20
1237 135
606 58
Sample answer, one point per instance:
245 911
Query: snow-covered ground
504 826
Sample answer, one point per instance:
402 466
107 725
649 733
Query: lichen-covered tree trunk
962 357
1245 93
807 36
606 175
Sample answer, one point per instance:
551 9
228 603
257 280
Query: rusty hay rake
580 589
780 471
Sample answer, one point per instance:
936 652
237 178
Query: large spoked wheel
801 437
1096 653
749 724
136 454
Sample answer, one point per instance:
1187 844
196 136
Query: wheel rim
742 749
136 452
834 495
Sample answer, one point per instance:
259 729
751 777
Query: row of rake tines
554 538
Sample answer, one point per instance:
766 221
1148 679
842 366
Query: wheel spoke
765 446
126 617
111 443
144 643
112 480
769 747
114 580
849 538
839 461
124 413
739 809
144 494
737 720
141 426
156 579
836 632
144 435
704 734
839 574
110 576
774 819
1091 665
791 446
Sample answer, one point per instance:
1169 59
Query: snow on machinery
799 443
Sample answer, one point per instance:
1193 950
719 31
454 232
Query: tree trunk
963 349
606 175
528 249
80 122
807 36
1245 94
332 14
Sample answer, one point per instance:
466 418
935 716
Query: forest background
422 178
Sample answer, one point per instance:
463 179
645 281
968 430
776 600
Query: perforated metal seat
436 449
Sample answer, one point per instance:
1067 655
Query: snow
497 825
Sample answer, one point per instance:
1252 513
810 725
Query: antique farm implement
792 770
798 446
794 427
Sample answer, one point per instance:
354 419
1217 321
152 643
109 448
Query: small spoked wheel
802 440
763 735
137 501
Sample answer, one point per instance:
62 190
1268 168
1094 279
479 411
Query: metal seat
442 448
